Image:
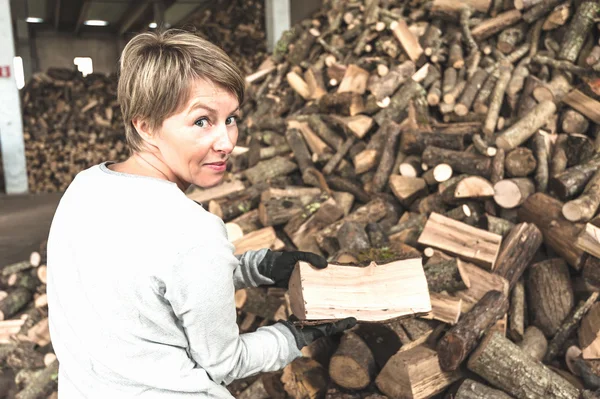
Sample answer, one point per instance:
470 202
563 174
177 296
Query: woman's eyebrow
203 106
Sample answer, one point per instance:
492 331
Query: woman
141 279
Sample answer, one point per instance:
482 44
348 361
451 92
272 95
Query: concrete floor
24 224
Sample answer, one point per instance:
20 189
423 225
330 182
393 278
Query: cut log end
507 194
572 212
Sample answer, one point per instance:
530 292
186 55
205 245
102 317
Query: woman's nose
224 142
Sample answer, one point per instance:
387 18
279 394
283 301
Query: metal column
278 20
11 124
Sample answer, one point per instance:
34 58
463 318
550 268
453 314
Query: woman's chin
209 181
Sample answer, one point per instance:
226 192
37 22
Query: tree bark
496 360
461 339
462 162
559 233
550 294
352 366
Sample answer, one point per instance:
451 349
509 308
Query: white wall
58 50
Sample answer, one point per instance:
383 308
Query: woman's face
195 143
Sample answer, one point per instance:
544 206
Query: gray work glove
305 335
278 266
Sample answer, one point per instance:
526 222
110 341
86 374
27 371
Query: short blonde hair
155 75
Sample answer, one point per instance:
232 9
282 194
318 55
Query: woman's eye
231 120
202 122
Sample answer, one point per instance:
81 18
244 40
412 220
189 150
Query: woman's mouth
217 166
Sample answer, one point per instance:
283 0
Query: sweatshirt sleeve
201 293
246 274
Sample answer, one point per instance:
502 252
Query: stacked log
463 133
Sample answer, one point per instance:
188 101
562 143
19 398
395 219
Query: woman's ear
143 129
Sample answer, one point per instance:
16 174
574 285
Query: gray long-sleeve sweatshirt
141 284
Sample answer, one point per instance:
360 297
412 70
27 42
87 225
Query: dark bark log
496 100
522 130
480 104
397 110
265 170
558 163
585 207
520 162
352 366
42 385
559 234
517 312
470 92
16 300
339 155
392 135
542 156
353 237
550 294
444 276
386 86
348 186
459 161
578 30
460 340
579 149
496 360
377 236
517 250
470 389
574 122
346 103
570 323
415 141
540 10
573 180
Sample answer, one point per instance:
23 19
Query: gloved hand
278 266
307 334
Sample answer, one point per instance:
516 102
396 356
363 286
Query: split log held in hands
496 359
550 294
461 339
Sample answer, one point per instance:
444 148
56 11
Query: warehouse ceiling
110 16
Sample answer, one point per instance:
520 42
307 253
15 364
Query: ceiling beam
132 15
159 13
56 14
82 15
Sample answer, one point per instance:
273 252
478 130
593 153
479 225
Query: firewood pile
28 365
238 27
70 123
464 133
